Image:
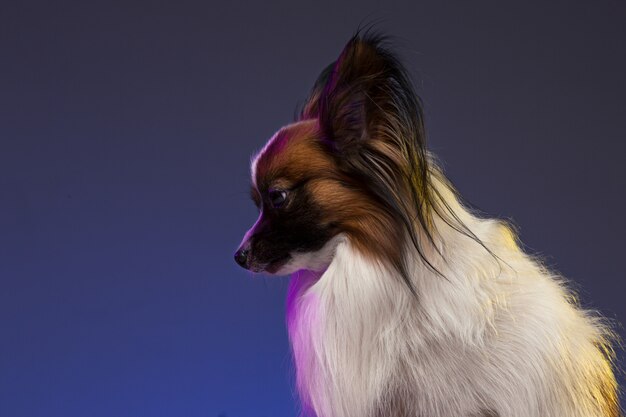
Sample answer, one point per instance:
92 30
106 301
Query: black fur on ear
362 92
371 120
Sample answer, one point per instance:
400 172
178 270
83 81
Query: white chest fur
487 341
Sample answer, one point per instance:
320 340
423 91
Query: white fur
493 338
254 160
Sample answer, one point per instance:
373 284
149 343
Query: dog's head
352 166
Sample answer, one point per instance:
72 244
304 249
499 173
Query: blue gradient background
126 131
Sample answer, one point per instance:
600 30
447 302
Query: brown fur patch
292 156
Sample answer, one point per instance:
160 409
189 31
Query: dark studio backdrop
126 131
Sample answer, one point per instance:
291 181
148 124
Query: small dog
402 301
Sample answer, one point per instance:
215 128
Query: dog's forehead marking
254 160
286 137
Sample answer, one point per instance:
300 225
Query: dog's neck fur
498 336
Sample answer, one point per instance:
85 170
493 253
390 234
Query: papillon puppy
403 302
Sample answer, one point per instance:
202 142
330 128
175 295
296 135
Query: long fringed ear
371 119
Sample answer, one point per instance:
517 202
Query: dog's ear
364 95
310 110
371 120
346 104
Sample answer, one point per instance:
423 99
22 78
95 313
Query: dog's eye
277 197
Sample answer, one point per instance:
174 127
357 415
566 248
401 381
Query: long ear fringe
370 114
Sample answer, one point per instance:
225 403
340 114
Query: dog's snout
241 257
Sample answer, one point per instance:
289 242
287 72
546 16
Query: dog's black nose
241 257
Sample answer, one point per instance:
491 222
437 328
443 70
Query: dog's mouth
271 267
